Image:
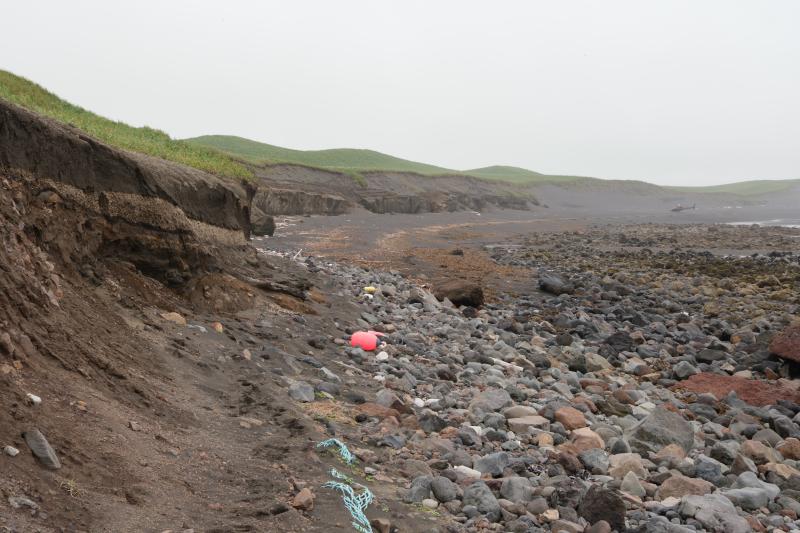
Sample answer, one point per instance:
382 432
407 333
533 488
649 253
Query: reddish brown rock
790 448
570 462
670 451
570 418
460 292
754 523
759 452
582 439
585 401
304 500
679 486
786 344
752 391
623 397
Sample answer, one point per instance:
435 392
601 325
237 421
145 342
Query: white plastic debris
35 400
10 451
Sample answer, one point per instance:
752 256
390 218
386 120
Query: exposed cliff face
49 149
275 201
297 190
438 202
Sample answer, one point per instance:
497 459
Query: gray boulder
480 495
555 284
516 489
42 449
749 492
659 524
420 490
709 469
684 369
748 498
443 489
301 391
490 400
660 428
714 512
492 464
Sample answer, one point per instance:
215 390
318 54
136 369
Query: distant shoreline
777 222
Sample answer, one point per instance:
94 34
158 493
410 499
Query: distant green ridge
502 172
146 140
354 161
744 188
338 158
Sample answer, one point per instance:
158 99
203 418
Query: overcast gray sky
677 92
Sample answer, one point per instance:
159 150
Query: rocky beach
646 384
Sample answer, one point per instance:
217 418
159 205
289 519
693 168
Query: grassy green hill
504 173
146 140
353 162
336 159
744 188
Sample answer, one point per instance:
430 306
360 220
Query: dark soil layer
49 149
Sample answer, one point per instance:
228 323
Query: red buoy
366 340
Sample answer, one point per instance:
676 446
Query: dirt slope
156 425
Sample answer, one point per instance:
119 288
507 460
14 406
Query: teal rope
355 503
348 457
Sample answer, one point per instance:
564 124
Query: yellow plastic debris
370 289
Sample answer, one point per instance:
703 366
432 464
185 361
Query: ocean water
782 222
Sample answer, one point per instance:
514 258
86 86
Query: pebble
33 399
301 391
304 500
42 449
10 451
18 502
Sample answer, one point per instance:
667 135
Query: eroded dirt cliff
50 149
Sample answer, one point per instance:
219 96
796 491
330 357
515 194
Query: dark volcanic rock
620 341
461 292
603 504
263 225
555 284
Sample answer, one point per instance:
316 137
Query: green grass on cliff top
146 140
354 162
335 159
351 160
